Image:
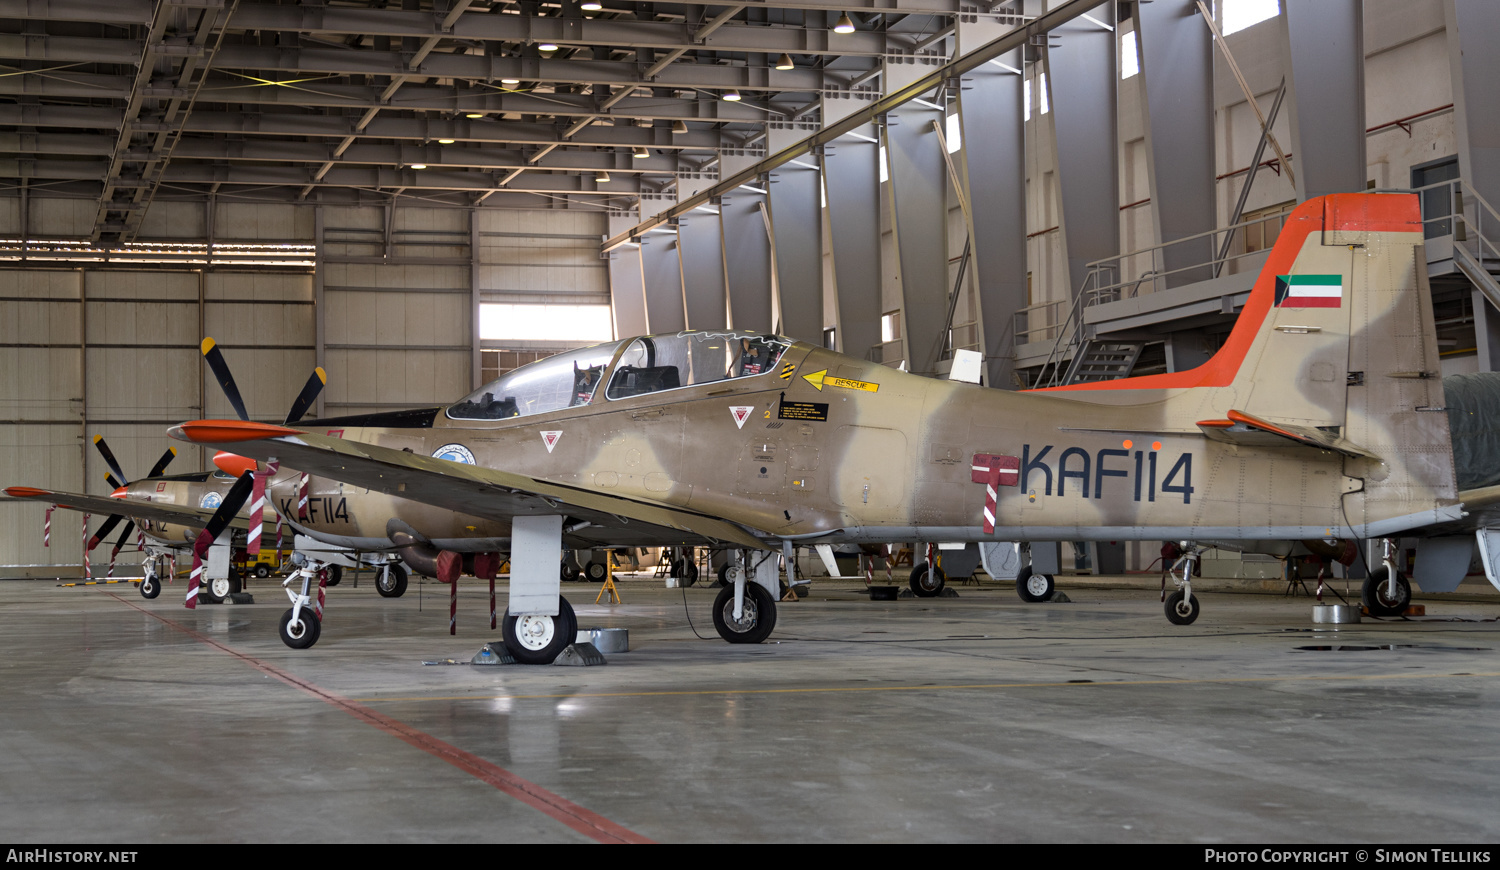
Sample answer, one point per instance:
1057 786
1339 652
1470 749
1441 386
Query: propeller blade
109 525
216 363
110 479
308 395
124 536
109 458
163 462
233 501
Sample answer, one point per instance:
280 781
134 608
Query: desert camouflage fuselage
1320 417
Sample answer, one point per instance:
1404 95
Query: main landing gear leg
1182 607
745 610
300 627
1387 591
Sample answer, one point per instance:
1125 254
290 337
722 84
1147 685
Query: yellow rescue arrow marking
820 378
852 385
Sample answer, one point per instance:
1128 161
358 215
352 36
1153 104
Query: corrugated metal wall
92 348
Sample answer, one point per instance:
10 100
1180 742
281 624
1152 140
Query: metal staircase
1474 254
1102 360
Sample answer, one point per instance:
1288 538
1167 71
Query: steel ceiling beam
953 69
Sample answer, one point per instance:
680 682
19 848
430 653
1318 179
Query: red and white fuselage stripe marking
302 498
991 497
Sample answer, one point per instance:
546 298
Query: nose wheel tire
1377 596
927 582
1034 588
1181 610
757 615
391 583
304 632
150 586
537 640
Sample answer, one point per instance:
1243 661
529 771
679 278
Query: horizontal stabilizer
1246 430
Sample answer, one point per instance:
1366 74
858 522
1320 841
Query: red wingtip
24 491
227 431
233 464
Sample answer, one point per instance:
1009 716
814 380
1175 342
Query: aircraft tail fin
1335 349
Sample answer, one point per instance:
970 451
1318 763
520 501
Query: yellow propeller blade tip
322 375
98 438
208 345
173 449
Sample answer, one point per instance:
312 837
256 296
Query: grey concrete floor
978 718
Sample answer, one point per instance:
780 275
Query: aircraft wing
103 505
490 493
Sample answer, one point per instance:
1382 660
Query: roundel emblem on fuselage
211 501
454 453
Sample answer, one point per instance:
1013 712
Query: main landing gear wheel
537 640
1377 596
1034 588
685 570
925 583
757 615
595 571
335 574
1180 609
304 632
391 582
568 572
150 586
221 588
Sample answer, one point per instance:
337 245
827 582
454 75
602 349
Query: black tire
262 571
150 586
335 574
1376 599
595 571
723 576
687 572
218 590
306 632
569 571
538 640
1179 613
1034 588
925 584
757 621
392 585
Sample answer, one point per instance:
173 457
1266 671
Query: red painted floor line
585 822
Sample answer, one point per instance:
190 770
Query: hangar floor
976 718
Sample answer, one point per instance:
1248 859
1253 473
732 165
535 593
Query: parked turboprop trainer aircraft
1320 418
173 510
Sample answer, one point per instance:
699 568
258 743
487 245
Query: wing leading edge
489 493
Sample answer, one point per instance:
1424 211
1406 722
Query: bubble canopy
648 364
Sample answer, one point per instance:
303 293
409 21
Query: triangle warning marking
741 413
550 437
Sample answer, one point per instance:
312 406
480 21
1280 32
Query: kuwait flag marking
1309 291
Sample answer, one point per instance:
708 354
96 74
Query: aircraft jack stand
609 588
